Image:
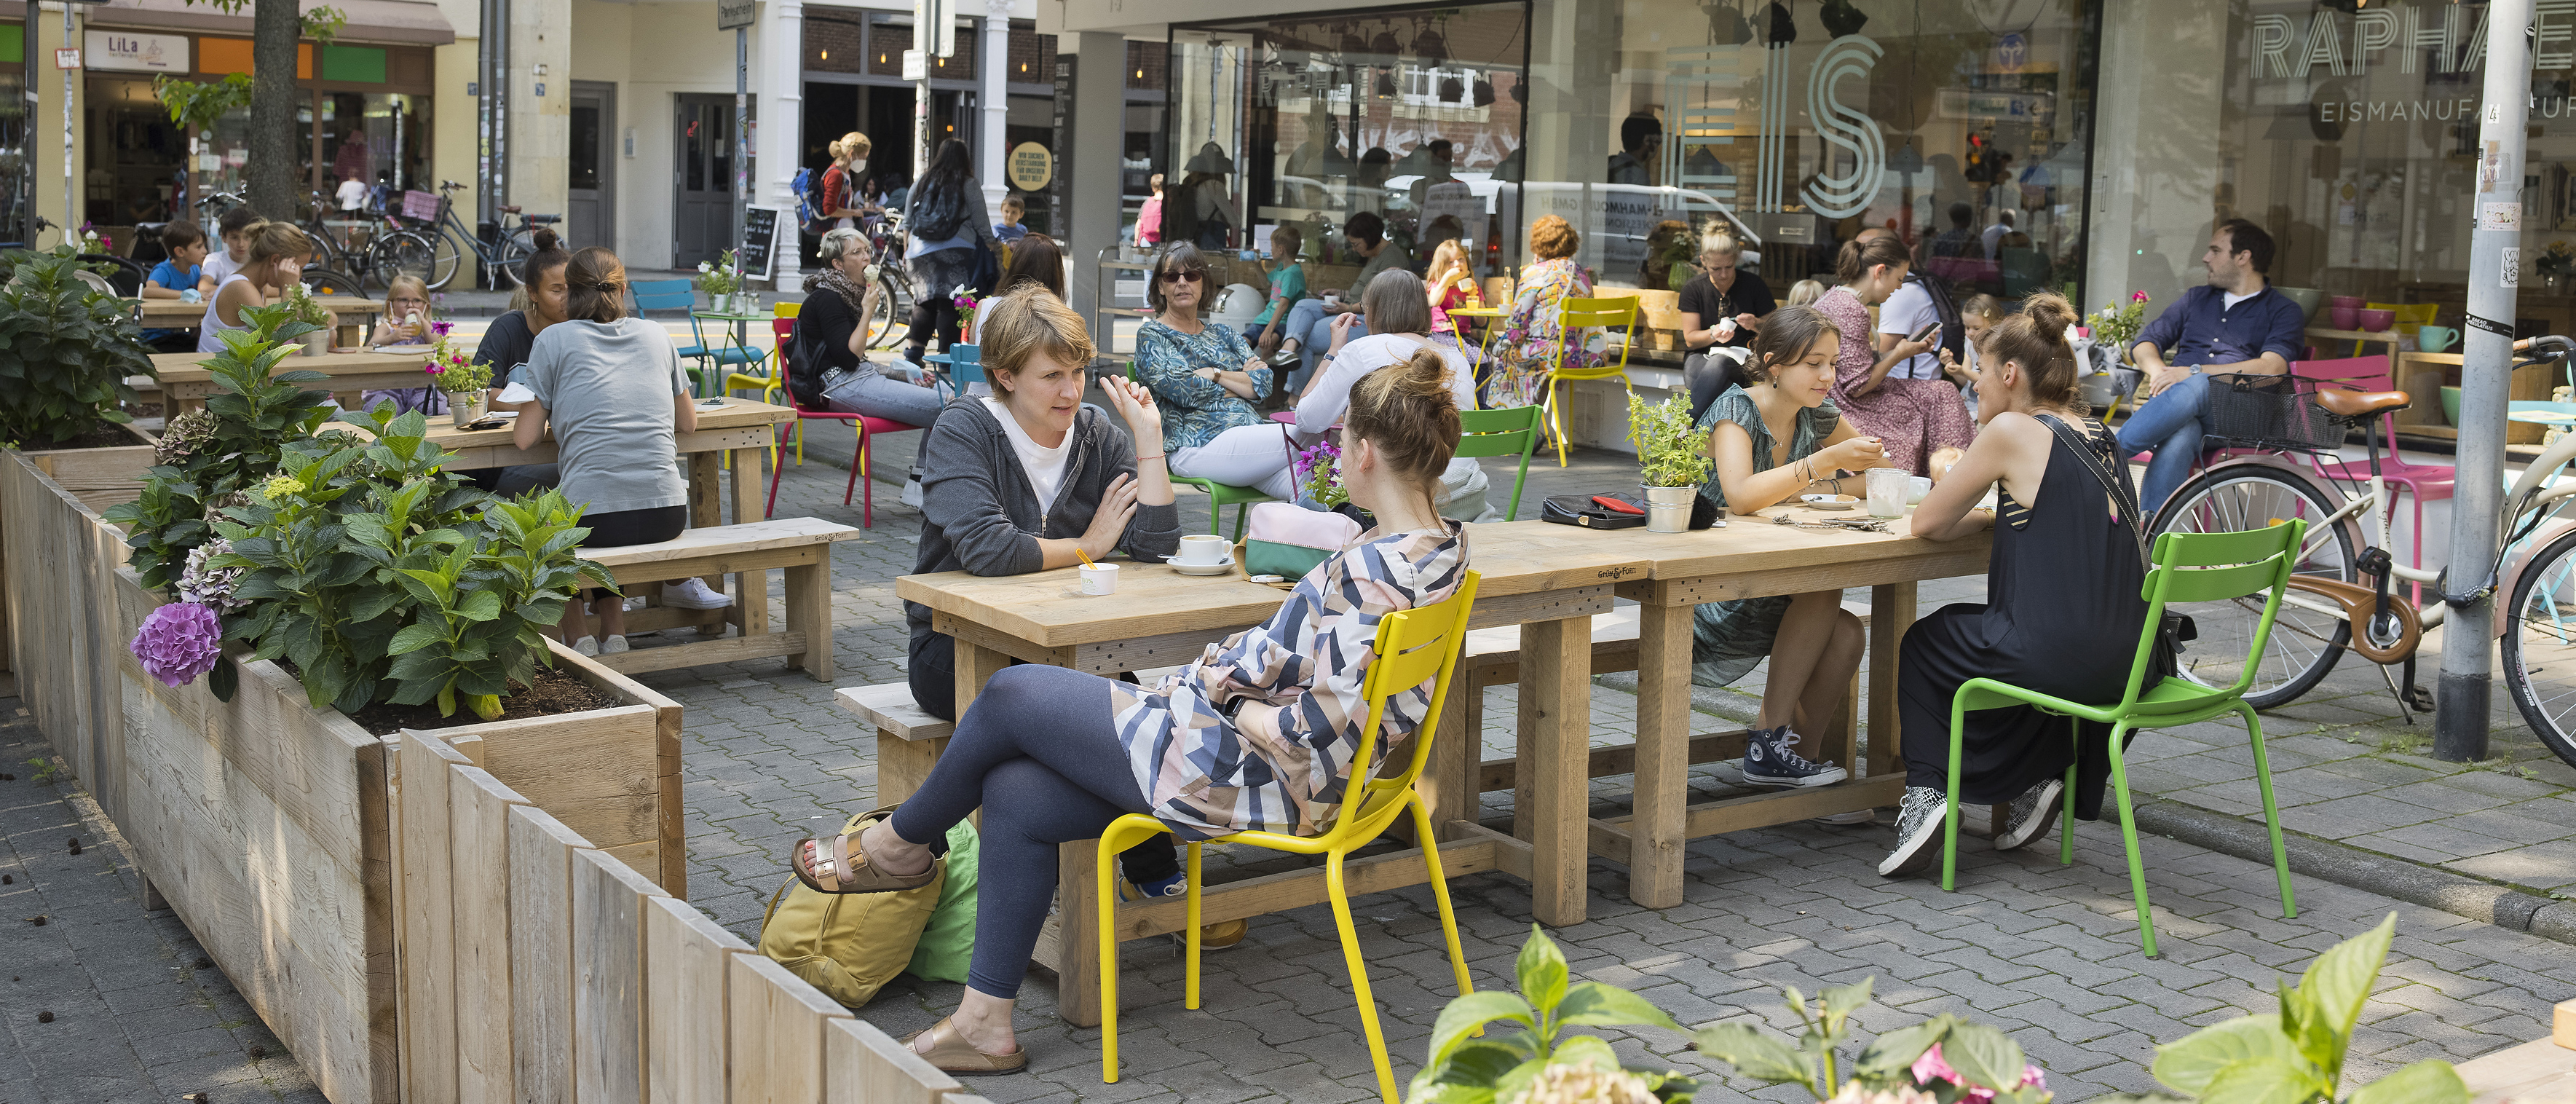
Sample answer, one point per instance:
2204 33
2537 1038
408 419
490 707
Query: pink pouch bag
1288 540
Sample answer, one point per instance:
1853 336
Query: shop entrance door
702 204
590 195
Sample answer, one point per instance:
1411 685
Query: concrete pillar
781 96
1090 161
2149 217
992 71
540 106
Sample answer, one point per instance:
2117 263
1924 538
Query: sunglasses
1187 276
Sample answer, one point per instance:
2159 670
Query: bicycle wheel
514 255
323 281
405 253
2306 639
445 258
894 310
2540 645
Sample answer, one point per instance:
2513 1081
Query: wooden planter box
99 478
263 821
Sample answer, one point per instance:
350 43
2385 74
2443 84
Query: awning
380 22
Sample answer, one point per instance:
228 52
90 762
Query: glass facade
1963 125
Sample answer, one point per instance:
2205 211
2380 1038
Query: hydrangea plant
66 349
178 642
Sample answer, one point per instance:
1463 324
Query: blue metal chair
653 295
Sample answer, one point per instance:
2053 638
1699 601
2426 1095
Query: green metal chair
1502 433
1220 495
2202 567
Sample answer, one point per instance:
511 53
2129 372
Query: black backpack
938 211
1945 306
805 362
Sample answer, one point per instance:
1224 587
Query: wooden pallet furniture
801 547
909 739
2542 1071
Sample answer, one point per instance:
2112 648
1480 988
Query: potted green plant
466 382
302 307
1672 460
66 349
720 279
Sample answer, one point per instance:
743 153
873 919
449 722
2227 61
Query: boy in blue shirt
176 278
1009 231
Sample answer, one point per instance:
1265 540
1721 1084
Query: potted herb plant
1672 460
720 279
466 382
302 307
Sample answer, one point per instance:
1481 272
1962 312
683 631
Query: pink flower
178 642
441 328
1930 1068
2137 297
433 369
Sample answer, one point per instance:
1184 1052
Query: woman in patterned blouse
1206 379
1531 337
1257 734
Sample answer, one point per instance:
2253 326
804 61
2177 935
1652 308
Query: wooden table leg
751 588
706 510
1556 677
1891 612
1077 966
1663 756
1448 783
975 666
809 611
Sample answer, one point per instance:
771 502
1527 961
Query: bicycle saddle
507 210
2358 404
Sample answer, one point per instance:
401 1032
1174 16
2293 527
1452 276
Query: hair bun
1425 374
544 239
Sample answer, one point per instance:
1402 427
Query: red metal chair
866 426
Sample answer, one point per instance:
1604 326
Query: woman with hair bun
611 387
1259 733
2062 610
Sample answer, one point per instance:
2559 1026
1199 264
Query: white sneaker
693 593
2033 813
588 645
613 645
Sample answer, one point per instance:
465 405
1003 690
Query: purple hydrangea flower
178 642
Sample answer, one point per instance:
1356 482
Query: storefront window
17 189
379 139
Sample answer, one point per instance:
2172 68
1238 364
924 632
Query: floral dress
1260 732
1530 339
1731 638
1195 410
1913 418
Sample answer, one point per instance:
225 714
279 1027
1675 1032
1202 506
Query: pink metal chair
867 427
2423 482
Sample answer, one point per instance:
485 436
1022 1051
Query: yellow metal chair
1412 647
1571 314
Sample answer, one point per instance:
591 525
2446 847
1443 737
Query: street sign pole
2486 381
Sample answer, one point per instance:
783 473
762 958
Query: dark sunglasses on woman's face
1186 276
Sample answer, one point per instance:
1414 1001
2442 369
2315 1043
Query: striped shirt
1281 762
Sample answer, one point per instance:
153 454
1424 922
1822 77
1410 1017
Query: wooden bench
802 547
2542 1071
909 739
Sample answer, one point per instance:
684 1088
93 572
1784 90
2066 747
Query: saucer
1828 502
1219 568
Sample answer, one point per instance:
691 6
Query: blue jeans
1313 330
2170 424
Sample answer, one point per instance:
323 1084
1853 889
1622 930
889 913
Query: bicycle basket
2267 412
420 206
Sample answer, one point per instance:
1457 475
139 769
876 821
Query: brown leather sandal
956 1057
843 868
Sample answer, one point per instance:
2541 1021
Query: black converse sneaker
1918 832
2031 814
1771 759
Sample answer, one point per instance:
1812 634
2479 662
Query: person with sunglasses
1206 379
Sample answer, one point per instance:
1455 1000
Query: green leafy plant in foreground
1945 1057
1670 449
212 457
384 578
2296 1056
65 351
1463 1069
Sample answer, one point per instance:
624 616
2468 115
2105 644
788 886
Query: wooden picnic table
178 314
1548 579
1751 558
736 434
186 382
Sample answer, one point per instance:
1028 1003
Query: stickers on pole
2511 277
2500 216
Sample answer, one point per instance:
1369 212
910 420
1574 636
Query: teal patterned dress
1731 638
1195 410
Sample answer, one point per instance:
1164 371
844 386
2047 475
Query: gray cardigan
979 515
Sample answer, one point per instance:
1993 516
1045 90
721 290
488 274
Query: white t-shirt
1903 314
353 195
1044 465
1331 397
219 264
2229 299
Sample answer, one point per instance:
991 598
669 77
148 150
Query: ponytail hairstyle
2035 338
597 283
549 255
274 241
1408 414
1859 255
1786 337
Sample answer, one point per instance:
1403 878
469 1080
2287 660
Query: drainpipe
993 68
2486 380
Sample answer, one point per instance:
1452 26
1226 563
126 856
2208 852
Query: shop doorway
590 185
702 205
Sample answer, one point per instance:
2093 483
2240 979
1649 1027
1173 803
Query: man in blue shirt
2235 323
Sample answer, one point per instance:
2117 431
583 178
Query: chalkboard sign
759 241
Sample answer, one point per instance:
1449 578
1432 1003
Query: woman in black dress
2062 609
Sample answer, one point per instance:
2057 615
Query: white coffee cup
1099 578
1887 487
1916 488
1202 550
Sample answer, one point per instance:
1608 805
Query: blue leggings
1040 754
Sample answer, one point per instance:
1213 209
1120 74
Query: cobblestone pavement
103 1001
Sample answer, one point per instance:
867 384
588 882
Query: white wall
2155 158
653 53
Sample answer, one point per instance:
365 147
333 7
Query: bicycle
2342 600
894 305
330 252
429 250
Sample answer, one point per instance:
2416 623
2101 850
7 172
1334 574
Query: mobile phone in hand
1926 332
